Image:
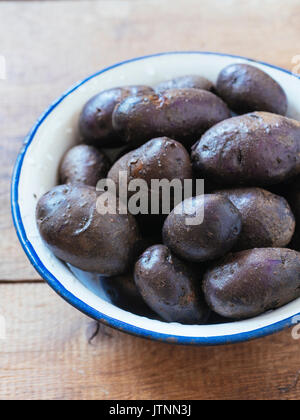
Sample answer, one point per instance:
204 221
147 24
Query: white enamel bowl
35 173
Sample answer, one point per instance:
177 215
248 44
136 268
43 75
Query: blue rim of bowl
79 304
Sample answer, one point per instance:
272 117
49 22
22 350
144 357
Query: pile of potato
243 259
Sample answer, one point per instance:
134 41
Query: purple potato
181 114
159 158
267 218
95 121
256 149
246 88
171 287
249 283
77 233
83 164
214 237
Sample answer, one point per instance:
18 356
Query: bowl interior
36 173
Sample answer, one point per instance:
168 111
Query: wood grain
62 42
47 355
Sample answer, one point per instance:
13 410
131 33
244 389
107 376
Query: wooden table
49 351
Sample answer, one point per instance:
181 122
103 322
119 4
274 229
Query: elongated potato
72 228
158 159
95 121
267 219
246 88
83 164
181 114
171 287
256 149
214 237
248 283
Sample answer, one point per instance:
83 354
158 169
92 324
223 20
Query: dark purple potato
248 283
95 121
267 218
256 149
246 88
75 232
170 287
188 81
214 237
84 165
160 158
123 293
181 114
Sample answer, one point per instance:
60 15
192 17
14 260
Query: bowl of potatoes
229 122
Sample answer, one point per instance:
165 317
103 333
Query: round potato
248 283
256 149
170 287
188 81
267 218
95 121
181 114
246 88
214 237
83 164
73 229
160 158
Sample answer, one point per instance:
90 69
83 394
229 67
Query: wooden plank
47 355
66 41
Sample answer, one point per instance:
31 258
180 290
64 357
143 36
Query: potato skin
257 149
246 88
75 232
95 121
159 158
170 287
181 114
267 218
213 238
188 81
83 164
251 282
